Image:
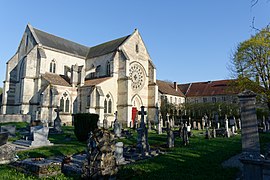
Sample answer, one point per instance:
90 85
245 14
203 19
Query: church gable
135 48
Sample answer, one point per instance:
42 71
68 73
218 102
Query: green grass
201 159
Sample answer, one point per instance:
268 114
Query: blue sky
188 41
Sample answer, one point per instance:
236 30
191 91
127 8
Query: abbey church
48 71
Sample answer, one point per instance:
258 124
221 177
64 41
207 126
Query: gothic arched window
65 103
108 104
52 66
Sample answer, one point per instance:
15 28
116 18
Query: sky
188 41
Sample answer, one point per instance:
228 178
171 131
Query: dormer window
52 66
137 48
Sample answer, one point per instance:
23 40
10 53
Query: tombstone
101 161
40 137
3 138
209 123
216 118
11 129
206 121
250 156
185 136
119 151
194 125
161 120
142 141
203 123
233 130
159 128
105 123
168 117
214 134
57 122
170 136
218 125
181 130
7 151
172 122
149 124
207 133
267 126
117 126
227 132
199 126
189 130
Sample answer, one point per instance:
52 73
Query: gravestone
57 122
206 121
105 123
181 130
40 137
117 126
159 128
185 135
11 129
119 152
142 141
189 130
218 125
267 126
100 162
214 134
7 151
161 120
194 125
170 136
250 156
199 126
203 123
207 133
149 125
239 123
227 132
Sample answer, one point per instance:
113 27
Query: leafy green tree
251 64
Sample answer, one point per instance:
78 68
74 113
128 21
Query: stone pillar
250 157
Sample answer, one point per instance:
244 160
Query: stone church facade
48 71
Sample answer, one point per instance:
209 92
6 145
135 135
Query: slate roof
56 79
93 82
168 88
209 88
106 47
60 43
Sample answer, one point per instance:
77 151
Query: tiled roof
93 82
106 47
60 43
56 79
209 88
168 88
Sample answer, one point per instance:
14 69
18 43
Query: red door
134 113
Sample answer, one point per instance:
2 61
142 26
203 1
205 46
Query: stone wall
4 118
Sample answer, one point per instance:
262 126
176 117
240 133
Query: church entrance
136 104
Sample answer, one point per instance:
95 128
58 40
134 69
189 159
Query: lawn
201 159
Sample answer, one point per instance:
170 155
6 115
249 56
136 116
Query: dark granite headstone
3 138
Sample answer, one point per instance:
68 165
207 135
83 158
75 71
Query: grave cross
142 113
57 110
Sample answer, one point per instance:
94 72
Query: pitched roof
93 82
106 47
56 79
60 43
168 88
208 88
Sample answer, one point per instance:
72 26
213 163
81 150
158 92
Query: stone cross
170 136
142 113
115 115
57 122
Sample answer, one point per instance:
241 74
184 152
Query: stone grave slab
11 129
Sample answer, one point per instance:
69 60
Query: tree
1 90
251 64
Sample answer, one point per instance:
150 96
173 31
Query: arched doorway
136 104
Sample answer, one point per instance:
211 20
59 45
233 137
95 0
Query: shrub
84 123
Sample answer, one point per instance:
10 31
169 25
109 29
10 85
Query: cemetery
183 151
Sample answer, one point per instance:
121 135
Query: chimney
175 85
